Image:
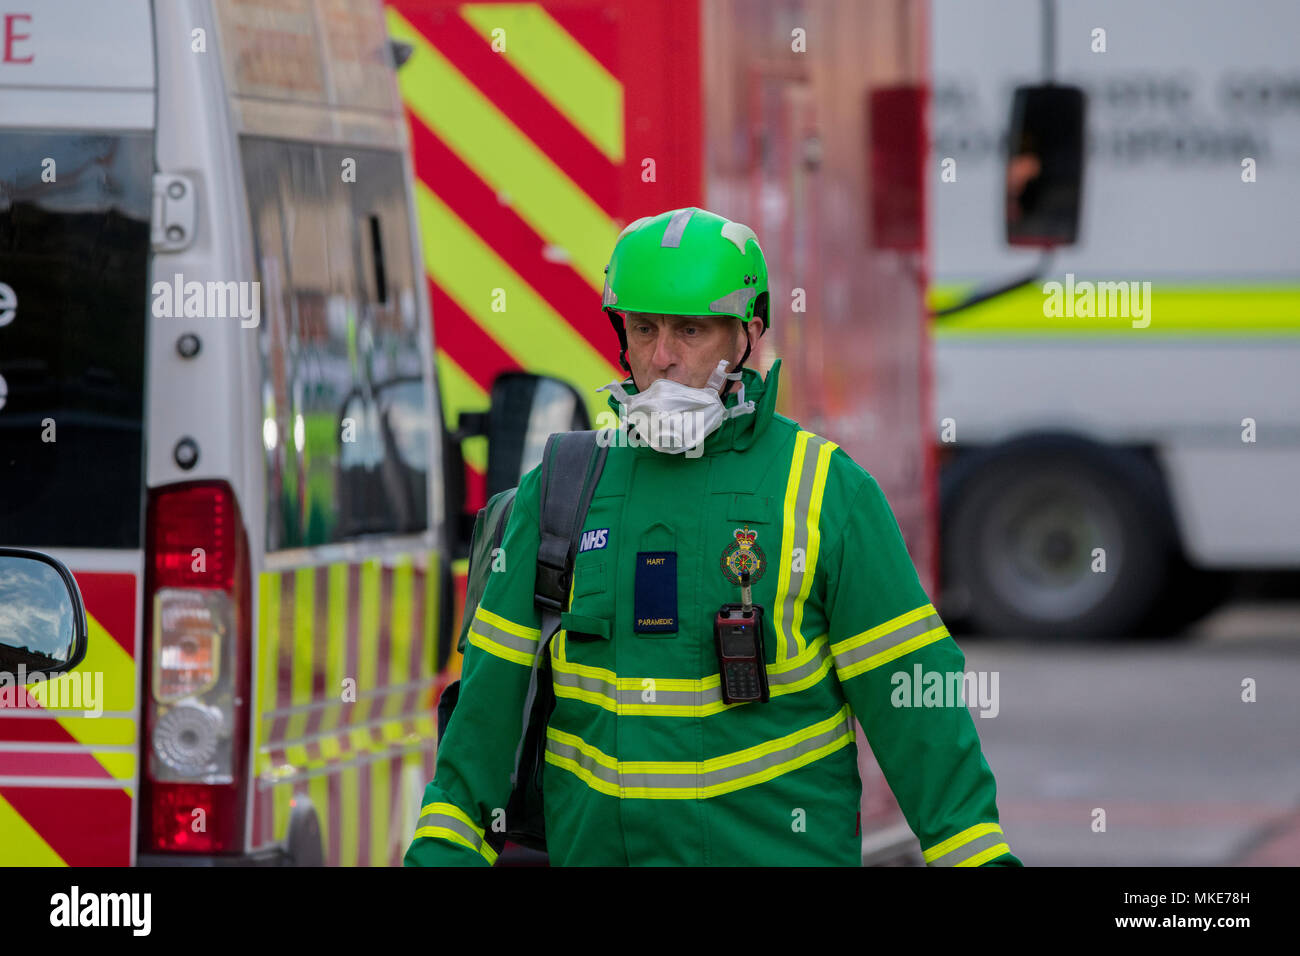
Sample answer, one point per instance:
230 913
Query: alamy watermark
664 430
179 299
1126 300
922 688
82 691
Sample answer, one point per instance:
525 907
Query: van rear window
74 255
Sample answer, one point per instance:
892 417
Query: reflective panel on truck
345 677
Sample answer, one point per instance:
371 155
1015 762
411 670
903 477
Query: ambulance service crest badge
743 554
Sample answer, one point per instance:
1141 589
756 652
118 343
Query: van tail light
198 651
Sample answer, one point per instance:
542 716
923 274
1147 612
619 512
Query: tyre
1057 538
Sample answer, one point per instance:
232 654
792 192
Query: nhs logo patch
593 540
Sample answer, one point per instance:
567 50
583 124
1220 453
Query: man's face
684 348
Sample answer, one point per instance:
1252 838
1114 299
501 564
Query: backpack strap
571 467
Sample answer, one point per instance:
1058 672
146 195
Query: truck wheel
1023 532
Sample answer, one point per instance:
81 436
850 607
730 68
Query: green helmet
685 262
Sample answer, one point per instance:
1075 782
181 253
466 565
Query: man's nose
665 354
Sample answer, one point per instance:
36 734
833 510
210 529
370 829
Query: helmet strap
739 365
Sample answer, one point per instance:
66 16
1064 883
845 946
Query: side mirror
1045 166
526 410
42 618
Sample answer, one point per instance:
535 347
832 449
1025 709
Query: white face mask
675 418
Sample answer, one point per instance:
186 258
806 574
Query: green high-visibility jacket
645 763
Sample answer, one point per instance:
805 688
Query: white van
218 408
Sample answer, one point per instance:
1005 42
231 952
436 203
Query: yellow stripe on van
380 771
560 67
552 204
106 657
350 815
401 634
494 295
336 660
269 634
1174 309
368 650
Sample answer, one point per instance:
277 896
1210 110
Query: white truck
1115 412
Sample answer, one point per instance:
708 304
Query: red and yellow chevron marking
363 761
59 768
527 168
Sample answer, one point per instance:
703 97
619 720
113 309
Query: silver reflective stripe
583 682
631 696
495 634
676 226
583 760
886 641
447 822
690 777
733 302
609 298
968 850
799 537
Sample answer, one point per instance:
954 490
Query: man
646 762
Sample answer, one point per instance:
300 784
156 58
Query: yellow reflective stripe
22 845
335 654
1182 309
572 740
992 853
959 840
498 650
281 798
813 537
380 775
611 703
304 645
484 622
594 697
739 756
559 67
552 204
898 650
586 670
451 810
787 541
893 624
457 814
494 295
269 650
368 644
485 851
507 625
112 731
115 691
350 817
694 768
402 633
770 773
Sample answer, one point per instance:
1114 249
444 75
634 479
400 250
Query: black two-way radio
738 633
